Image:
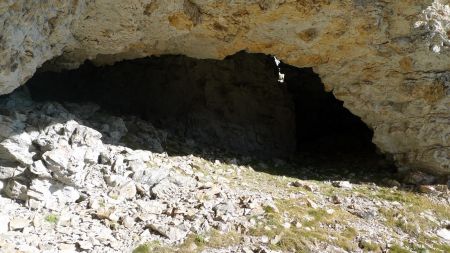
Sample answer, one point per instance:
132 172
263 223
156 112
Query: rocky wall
387 60
236 104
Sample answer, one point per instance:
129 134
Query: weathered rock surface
83 194
234 104
87 189
388 61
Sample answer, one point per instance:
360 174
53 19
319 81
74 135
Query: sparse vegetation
368 246
52 218
153 246
144 248
200 240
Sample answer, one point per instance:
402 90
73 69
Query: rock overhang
388 62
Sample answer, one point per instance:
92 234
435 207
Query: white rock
85 136
172 233
128 222
67 165
152 206
85 245
10 172
312 204
444 234
342 184
264 239
128 190
165 189
15 190
51 193
67 248
18 223
150 176
4 223
16 148
115 180
38 168
91 156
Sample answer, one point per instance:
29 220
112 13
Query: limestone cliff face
389 61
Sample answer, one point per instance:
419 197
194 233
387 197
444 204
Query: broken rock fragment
15 190
172 233
49 193
67 165
17 148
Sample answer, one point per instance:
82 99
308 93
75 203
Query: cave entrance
235 106
323 124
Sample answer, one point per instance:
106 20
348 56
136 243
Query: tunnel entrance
238 105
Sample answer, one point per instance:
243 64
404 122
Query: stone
4 223
67 165
85 245
224 211
264 239
15 190
91 156
10 172
287 225
391 182
419 178
172 233
115 180
152 206
336 199
183 181
150 176
65 247
306 186
441 188
426 189
444 234
342 184
94 203
85 136
311 204
17 148
165 189
38 168
128 190
18 223
128 222
51 194
271 206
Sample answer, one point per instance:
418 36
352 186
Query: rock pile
72 185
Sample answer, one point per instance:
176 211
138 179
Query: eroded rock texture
235 104
387 60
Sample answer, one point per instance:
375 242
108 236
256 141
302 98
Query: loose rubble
105 197
70 182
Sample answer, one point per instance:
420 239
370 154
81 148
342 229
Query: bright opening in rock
237 106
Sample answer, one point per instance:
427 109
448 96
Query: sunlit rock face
388 61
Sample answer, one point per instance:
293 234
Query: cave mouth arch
237 106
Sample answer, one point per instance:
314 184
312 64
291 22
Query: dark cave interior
237 104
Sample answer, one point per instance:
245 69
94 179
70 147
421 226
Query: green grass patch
52 218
